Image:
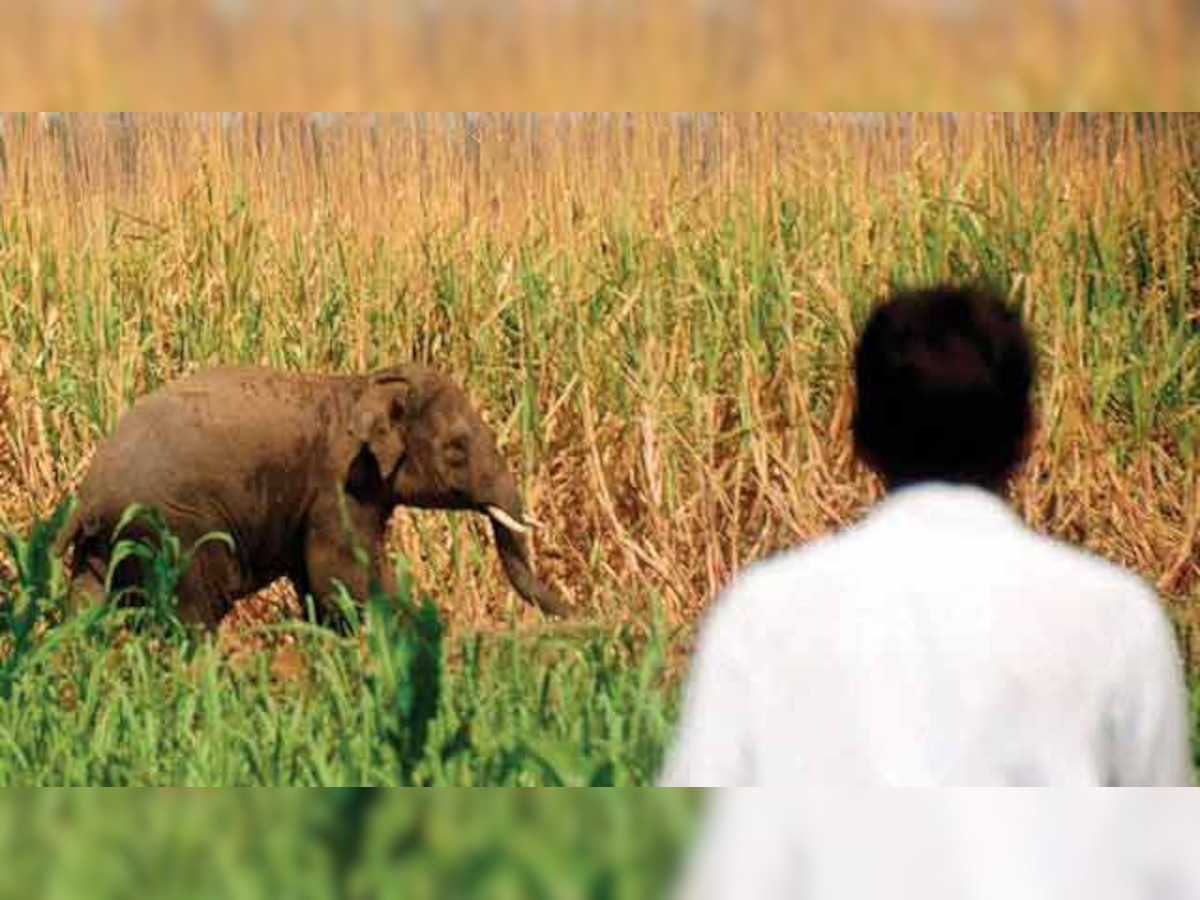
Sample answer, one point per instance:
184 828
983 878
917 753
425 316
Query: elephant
302 472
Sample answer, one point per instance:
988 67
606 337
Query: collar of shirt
948 503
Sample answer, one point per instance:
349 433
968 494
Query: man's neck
999 489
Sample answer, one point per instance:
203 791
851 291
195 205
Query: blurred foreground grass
355 843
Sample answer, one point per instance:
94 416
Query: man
939 642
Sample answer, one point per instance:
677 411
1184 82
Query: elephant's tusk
531 522
506 520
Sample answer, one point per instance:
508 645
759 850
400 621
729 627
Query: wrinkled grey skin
298 470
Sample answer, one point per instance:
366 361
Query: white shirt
939 642
947 844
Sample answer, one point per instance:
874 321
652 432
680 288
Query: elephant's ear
379 421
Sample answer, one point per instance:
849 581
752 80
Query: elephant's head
421 443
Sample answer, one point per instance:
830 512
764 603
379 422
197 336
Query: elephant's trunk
507 526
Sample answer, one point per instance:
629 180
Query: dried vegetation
656 312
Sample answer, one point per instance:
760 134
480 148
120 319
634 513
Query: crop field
655 312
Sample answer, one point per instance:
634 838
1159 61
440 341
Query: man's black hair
944 381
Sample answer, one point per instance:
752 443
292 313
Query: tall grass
654 310
118 696
520 711
87 700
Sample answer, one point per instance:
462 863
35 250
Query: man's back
939 642
948 844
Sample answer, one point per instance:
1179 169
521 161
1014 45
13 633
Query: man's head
944 379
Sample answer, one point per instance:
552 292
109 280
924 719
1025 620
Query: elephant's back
246 384
201 435
226 397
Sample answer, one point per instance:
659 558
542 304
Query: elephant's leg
210 586
205 592
348 549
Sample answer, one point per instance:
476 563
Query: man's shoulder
1083 585
1087 568
789 587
